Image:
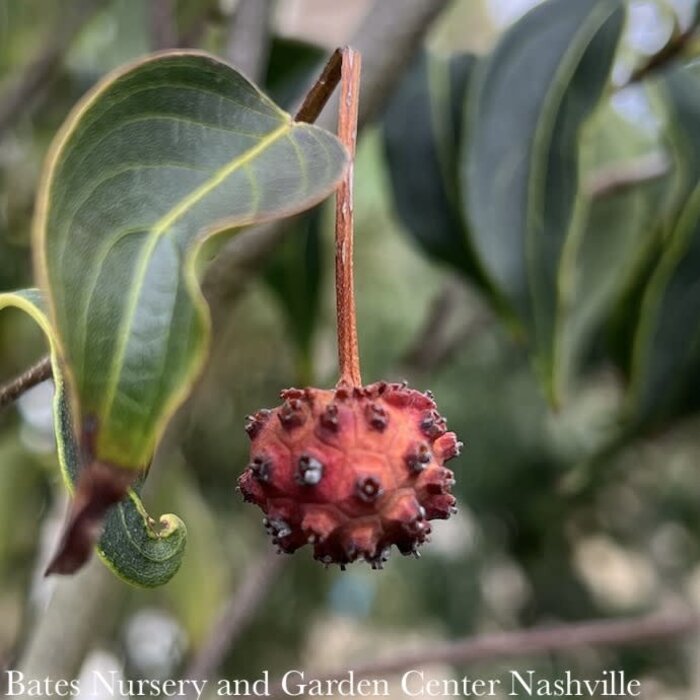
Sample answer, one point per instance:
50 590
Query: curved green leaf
422 132
614 238
520 167
157 159
133 545
666 352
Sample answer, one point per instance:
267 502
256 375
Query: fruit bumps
351 471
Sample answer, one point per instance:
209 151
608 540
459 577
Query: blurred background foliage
584 505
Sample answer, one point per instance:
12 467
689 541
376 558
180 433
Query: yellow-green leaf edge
171 529
191 264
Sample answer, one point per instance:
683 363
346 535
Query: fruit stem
348 352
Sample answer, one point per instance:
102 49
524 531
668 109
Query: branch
673 49
248 43
235 617
489 647
29 88
321 91
163 24
36 374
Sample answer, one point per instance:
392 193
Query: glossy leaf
613 239
666 359
157 159
520 167
137 548
422 136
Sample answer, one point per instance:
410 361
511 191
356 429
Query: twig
321 90
36 374
27 90
235 616
163 24
248 43
673 49
635 631
348 352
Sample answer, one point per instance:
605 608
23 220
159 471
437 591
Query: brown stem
348 353
641 630
673 50
321 90
36 374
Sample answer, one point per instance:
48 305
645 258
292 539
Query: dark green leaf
136 547
520 167
666 359
157 159
422 135
621 213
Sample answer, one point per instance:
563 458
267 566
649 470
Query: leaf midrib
157 231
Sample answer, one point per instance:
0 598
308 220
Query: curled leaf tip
100 486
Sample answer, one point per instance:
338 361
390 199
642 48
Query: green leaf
422 135
617 236
133 545
666 353
520 171
161 156
617 233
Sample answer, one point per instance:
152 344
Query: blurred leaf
133 545
294 273
614 238
422 135
666 355
117 35
520 167
161 156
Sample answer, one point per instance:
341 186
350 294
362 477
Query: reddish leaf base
351 471
99 487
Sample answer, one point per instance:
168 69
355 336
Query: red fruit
351 471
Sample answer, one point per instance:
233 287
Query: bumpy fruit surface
351 471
